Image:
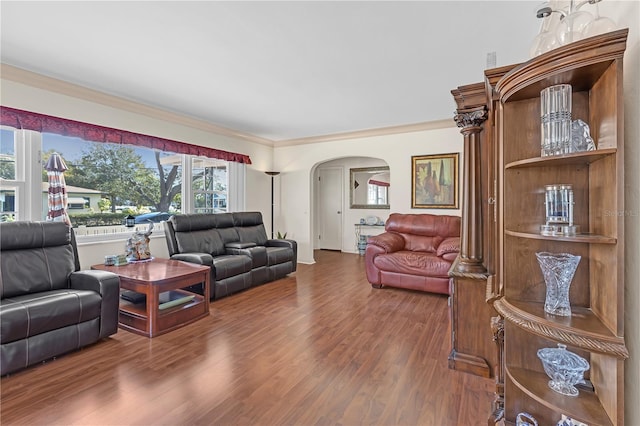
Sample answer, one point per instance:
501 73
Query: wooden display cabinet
595 330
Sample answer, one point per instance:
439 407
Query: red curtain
21 119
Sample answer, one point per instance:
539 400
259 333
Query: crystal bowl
564 368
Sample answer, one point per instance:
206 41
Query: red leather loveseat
415 252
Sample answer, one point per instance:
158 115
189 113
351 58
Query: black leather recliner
47 305
236 247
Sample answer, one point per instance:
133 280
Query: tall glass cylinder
555 112
558 204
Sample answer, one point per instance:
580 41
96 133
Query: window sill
114 233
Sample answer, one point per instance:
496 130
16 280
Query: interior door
330 190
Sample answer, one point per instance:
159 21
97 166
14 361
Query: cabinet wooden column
472 348
470 120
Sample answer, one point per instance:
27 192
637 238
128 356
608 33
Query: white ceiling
277 70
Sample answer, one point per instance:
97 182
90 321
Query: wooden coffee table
153 278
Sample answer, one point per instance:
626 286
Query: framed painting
434 181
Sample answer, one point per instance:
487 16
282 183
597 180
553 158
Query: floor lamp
272 174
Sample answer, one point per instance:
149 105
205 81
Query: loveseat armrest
281 243
107 284
387 241
449 246
199 258
292 244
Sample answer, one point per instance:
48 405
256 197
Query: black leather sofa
234 245
47 305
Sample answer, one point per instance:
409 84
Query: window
209 185
377 194
7 175
106 182
105 178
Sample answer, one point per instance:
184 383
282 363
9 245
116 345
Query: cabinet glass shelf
578 238
585 157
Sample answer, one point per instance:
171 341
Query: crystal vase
558 270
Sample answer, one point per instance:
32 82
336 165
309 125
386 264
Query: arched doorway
330 194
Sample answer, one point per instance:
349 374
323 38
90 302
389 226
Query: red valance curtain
21 119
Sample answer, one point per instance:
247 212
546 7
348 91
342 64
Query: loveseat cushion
32 314
201 241
449 245
193 222
226 266
423 224
250 227
253 234
413 263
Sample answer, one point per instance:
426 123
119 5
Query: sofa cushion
202 241
247 218
222 220
421 243
35 270
31 314
413 263
228 235
253 234
226 266
193 222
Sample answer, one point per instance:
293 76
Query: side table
153 278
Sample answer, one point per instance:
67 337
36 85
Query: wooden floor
320 347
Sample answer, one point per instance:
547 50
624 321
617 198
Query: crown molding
382 131
19 75
30 78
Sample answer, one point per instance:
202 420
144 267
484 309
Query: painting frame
434 181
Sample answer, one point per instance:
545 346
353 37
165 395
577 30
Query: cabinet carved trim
611 345
497 409
472 118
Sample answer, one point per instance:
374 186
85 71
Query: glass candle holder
555 113
558 202
558 270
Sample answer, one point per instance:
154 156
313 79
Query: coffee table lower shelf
133 317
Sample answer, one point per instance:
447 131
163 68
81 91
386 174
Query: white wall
297 165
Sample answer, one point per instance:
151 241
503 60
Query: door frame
318 204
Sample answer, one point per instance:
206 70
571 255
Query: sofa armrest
199 258
387 241
107 284
449 245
